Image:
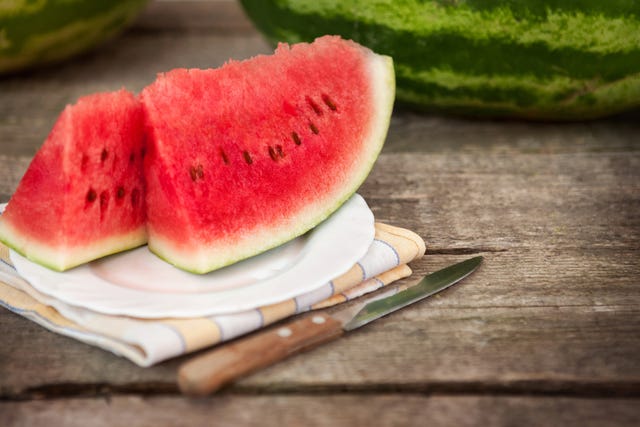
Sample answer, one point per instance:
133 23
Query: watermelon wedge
247 156
82 196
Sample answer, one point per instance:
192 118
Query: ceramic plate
137 283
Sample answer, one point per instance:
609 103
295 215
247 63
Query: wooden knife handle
207 373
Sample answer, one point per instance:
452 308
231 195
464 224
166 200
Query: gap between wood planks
531 388
463 251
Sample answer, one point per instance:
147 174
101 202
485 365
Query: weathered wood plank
559 286
491 348
509 326
414 132
11 170
224 16
322 410
579 200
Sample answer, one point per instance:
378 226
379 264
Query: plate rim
357 201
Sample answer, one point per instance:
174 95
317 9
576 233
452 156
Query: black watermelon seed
296 138
247 157
279 150
313 128
104 155
316 109
193 173
91 195
272 154
329 103
225 159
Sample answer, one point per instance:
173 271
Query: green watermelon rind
497 58
51 257
46 32
383 79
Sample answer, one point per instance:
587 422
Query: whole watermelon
46 31
536 59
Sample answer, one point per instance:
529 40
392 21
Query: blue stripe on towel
392 249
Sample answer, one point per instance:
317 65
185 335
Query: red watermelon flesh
82 196
247 156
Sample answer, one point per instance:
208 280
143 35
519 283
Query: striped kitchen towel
149 341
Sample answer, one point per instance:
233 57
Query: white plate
137 283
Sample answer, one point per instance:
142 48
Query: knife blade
208 372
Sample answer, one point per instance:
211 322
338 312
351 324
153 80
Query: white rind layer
63 258
205 259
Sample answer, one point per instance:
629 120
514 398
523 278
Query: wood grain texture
322 410
545 333
489 332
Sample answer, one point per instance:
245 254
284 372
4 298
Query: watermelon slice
82 196
250 155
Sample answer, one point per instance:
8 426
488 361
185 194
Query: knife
207 373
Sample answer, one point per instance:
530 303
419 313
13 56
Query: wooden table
547 332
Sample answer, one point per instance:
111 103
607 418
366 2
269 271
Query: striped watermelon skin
533 59
42 32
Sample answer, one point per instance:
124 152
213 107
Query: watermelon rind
382 79
55 259
531 59
48 31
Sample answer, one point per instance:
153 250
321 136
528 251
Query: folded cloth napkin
149 341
